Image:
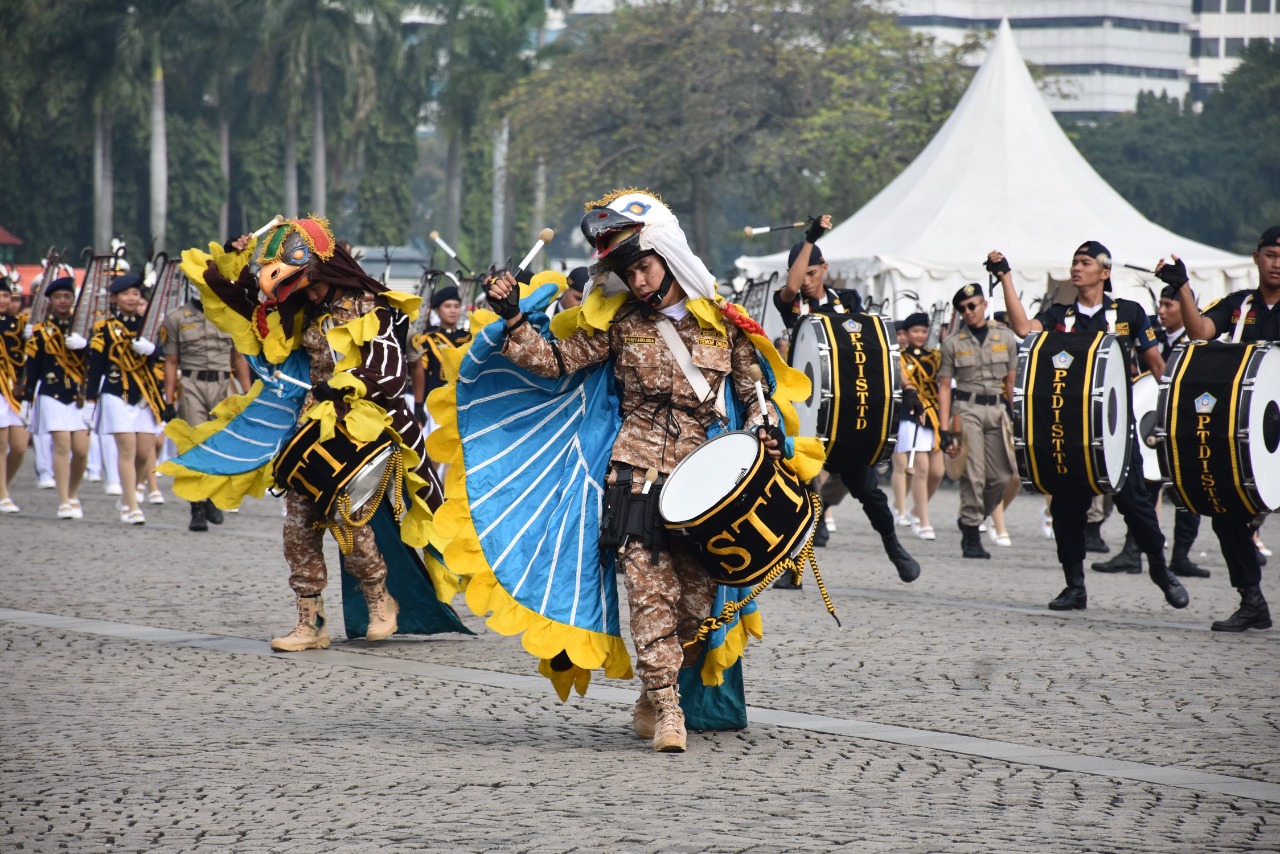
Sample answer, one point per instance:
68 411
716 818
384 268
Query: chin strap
661 293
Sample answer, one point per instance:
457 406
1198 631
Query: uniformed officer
200 360
806 293
982 358
1096 311
1256 312
426 365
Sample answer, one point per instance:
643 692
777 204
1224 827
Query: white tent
1001 174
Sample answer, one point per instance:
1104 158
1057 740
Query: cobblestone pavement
197 739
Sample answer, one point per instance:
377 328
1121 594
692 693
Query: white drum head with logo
706 476
1146 395
1111 411
1264 430
811 355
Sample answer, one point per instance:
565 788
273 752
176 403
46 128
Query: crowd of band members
956 407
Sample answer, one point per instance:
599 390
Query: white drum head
811 355
1113 427
706 476
1264 430
1146 395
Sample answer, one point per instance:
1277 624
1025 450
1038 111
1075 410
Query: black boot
787 581
820 533
212 513
1074 597
198 520
1252 613
908 569
1174 593
1093 541
1128 560
1181 565
971 542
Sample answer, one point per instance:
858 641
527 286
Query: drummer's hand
1174 273
324 391
503 294
239 244
772 438
996 263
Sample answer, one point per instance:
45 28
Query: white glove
28 331
24 412
75 341
143 347
86 414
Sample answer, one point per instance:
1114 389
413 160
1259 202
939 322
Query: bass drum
1218 425
1146 395
1071 413
857 389
339 474
741 510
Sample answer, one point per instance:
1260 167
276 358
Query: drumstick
1136 267
765 229
757 377
911 457
544 237
274 222
285 377
448 250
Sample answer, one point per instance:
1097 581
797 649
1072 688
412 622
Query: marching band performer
122 379
55 377
1256 312
919 427
426 361
806 292
651 326
13 431
1096 311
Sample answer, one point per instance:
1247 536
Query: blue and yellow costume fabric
528 457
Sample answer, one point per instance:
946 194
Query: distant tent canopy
1001 174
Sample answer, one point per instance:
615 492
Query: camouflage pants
669 599
303 549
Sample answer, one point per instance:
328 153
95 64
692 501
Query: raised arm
528 349
795 275
1198 326
998 266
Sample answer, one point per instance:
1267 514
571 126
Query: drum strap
1238 331
701 387
1069 322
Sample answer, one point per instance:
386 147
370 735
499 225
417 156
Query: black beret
443 295
1270 237
6 287
128 280
578 278
973 289
919 318
1094 249
899 326
815 255
66 283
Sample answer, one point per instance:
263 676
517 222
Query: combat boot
644 716
382 611
1093 541
1128 560
908 569
668 727
971 542
1253 613
213 513
311 631
1174 593
1074 597
198 520
1181 565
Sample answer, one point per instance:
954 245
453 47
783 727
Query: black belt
208 376
980 399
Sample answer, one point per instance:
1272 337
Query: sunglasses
969 306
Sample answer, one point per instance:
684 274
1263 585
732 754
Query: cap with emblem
65 283
815 255
1270 237
970 290
919 318
131 280
444 295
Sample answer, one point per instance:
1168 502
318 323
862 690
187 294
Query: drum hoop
1233 416
889 378
380 454
725 499
833 429
1028 416
1171 428
1091 475
826 408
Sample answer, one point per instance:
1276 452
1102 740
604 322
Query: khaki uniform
203 354
663 421
980 368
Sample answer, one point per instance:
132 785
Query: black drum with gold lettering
1072 414
853 365
327 470
1218 427
741 510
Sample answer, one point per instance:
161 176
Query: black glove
945 440
324 391
816 229
773 431
420 412
1174 273
995 268
524 277
911 402
170 412
508 307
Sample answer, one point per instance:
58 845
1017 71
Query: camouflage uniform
383 373
663 421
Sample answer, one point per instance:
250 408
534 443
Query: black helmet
614 237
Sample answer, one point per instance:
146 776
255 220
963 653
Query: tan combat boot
382 611
644 716
668 729
311 631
